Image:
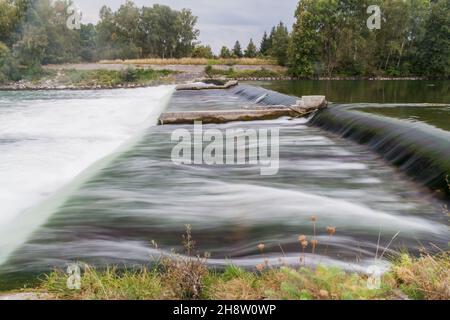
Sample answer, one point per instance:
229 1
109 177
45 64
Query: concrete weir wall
302 108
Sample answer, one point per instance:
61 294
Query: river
87 176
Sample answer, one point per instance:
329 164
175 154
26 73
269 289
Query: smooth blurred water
111 215
140 195
47 138
437 116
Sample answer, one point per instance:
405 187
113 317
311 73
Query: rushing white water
48 139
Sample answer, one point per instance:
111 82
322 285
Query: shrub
129 75
185 274
424 278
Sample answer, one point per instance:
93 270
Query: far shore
179 73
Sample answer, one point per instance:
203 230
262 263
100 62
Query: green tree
4 54
331 37
156 31
88 36
202 51
434 49
251 50
266 45
237 50
304 43
30 49
8 19
63 44
187 33
225 53
280 42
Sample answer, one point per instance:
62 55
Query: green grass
187 276
426 277
112 77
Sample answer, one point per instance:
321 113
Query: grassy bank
426 277
92 79
195 61
113 77
244 74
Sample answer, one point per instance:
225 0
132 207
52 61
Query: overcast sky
221 22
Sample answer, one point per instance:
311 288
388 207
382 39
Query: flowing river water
88 176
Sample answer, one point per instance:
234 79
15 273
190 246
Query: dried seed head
261 247
314 243
313 218
324 294
331 230
301 238
260 267
304 244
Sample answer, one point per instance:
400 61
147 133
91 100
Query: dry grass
425 278
422 278
194 61
185 274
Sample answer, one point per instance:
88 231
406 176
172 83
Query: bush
209 71
129 75
3 78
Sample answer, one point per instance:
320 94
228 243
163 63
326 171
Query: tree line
273 45
328 38
35 32
331 38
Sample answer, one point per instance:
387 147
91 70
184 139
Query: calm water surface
384 91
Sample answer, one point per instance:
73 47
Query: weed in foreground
185 274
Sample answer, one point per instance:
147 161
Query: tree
31 48
4 54
202 51
303 46
280 42
266 45
434 49
187 33
330 37
251 50
237 50
156 31
8 19
63 44
225 53
88 35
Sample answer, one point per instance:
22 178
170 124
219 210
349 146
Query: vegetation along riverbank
66 79
326 41
188 277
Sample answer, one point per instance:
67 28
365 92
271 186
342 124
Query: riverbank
424 278
79 79
151 72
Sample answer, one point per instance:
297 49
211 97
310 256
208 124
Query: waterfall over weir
418 149
110 215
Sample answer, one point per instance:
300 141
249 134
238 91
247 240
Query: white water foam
46 143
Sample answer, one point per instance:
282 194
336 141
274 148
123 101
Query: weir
303 107
142 195
418 149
